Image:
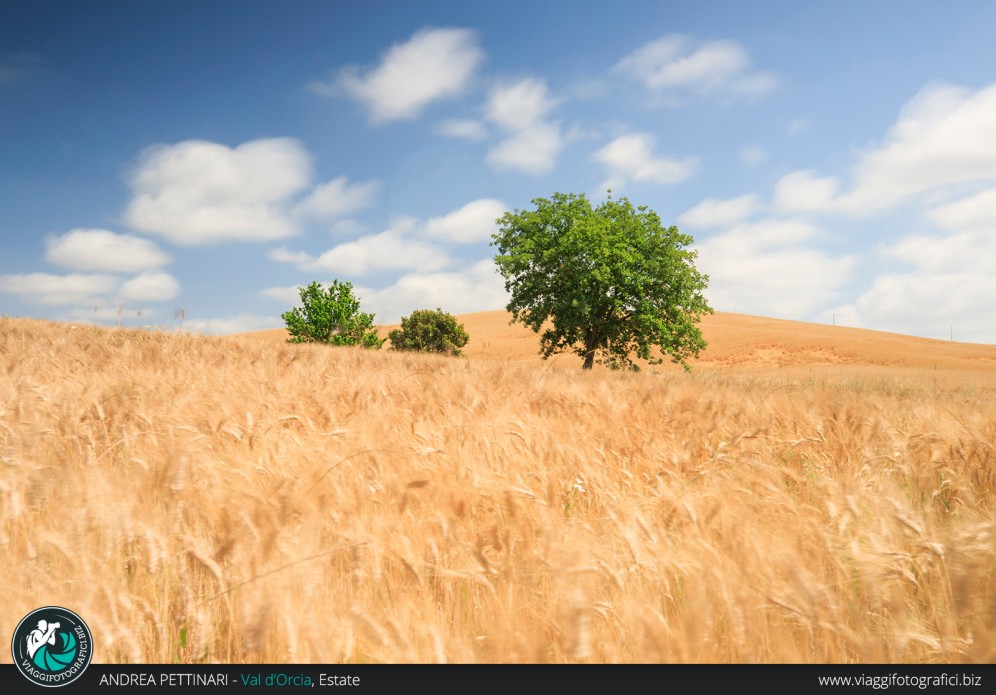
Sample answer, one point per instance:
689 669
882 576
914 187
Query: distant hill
739 340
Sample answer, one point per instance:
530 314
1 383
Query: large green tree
609 282
331 315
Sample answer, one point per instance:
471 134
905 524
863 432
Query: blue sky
833 161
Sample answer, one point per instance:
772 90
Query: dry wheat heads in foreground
202 500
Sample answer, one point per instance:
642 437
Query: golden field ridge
235 499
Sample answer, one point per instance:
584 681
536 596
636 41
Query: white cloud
389 250
590 88
289 295
951 280
404 246
285 255
478 287
945 135
72 289
433 64
968 245
966 252
752 155
519 105
520 109
198 192
976 213
344 228
711 212
463 129
151 287
533 150
804 191
101 250
769 268
631 158
929 304
337 198
239 323
579 131
393 249
475 221
714 68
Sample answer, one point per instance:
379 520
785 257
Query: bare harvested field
806 494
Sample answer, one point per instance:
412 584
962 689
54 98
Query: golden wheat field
805 494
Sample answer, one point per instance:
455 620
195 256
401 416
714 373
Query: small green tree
331 316
609 281
426 330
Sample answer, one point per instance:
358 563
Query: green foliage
429 331
610 281
331 316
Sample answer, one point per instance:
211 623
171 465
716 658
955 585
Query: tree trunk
590 343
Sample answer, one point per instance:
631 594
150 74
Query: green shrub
331 316
429 331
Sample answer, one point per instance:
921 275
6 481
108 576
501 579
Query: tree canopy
331 315
609 282
426 330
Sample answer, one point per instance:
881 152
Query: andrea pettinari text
254 679
176 680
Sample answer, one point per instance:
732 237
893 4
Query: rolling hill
753 343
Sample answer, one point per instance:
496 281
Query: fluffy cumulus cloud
941 148
396 248
301 259
771 268
59 290
949 281
198 192
966 242
151 287
338 198
532 141
477 287
677 63
473 222
433 64
344 228
463 129
805 191
632 158
944 136
977 213
929 304
103 251
227 325
288 295
712 213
